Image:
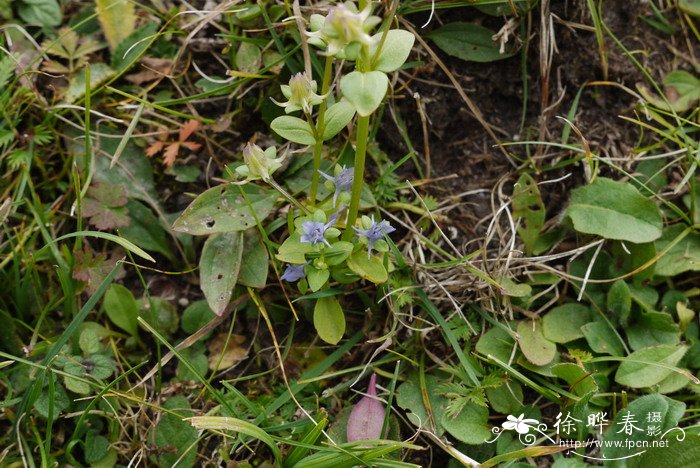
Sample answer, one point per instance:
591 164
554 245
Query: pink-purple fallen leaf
367 417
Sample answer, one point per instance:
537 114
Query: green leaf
651 329
99 73
60 399
602 339
468 41
122 309
614 210
145 230
563 323
513 289
470 425
395 50
410 397
506 398
528 205
96 447
218 268
255 260
669 412
365 91
248 58
371 269
159 314
682 257
118 19
225 209
329 320
135 44
678 453
581 381
45 13
195 316
619 302
649 366
317 277
337 117
692 7
293 250
536 348
496 342
294 129
681 89
173 436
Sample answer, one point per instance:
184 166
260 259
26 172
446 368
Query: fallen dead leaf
233 354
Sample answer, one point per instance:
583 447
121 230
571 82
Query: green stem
327 73
358 174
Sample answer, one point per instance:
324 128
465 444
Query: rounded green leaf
649 366
218 268
294 129
365 91
329 320
337 117
122 309
255 260
370 268
563 323
536 348
395 50
225 209
615 210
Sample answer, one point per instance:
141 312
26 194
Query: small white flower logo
520 424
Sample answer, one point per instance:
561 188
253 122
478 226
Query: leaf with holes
218 268
104 206
615 210
226 208
528 205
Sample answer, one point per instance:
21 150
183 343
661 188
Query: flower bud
300 94
259 164
344 25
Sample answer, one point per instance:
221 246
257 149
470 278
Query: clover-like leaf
365 91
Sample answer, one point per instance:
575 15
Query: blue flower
294 273
375 232
315 231
342 181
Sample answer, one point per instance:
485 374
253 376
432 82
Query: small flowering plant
328 242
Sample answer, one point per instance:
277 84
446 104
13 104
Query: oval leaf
254 263
536 348
649 366
218 268
370 268
329 320
337 117
364 90
615 210
122 309
468 42
225 209
395 50
294 129
563 323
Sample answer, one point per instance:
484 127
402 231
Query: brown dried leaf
187 129
104 205
92 269
170 154
233 354
155 148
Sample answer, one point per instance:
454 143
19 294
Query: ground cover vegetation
388 233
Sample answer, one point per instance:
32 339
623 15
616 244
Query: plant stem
358 174
327 73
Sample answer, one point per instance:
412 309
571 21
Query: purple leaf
367 417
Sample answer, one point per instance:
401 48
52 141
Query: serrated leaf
99 73
395 50
614 210
337 117
104 206
365 91
649 366
218 268
468 41
329 320
293 129
225 209
117 18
